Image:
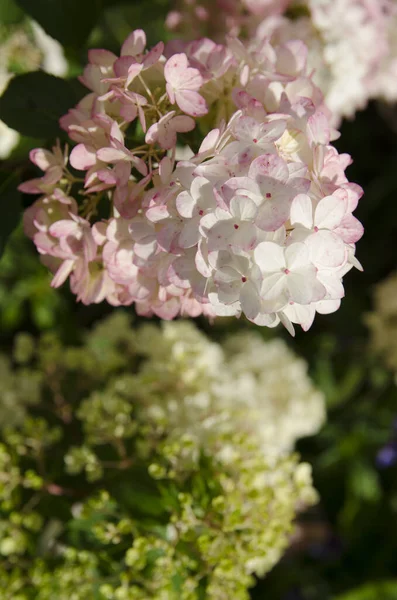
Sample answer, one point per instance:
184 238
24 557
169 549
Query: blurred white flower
53 57
43 51
247 385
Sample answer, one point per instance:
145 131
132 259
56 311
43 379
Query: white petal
226 274
274 213
269 257
269 165
243 208
227 234
326 307
201 260
185 205
223 310
287 323
300 287
326 249
302 211
250 301
297 256
274 292
190 234
332 284
199 187
303 315
266 319
329 212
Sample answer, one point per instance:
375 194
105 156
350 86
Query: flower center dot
243 279
268 195
316 229
236 226
255 141
201 212
286 271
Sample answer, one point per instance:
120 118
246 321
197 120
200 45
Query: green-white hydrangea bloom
143 472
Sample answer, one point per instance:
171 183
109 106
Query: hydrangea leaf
33 103
10 13
387 590
68 21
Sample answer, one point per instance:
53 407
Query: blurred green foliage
26 298
348 544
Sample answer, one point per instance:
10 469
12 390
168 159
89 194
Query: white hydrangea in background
262 388
276 389
384 85
8 137
349 48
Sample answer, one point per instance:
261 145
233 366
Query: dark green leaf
33 103
384 590
68 21
10 204
10 13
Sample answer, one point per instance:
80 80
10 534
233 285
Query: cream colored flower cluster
383 321
262 388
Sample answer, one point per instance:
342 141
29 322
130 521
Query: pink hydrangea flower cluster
257 222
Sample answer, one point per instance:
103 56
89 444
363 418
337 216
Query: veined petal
269 165
326 249
274 214
191 103
350 229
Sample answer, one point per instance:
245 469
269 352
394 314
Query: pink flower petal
134 44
